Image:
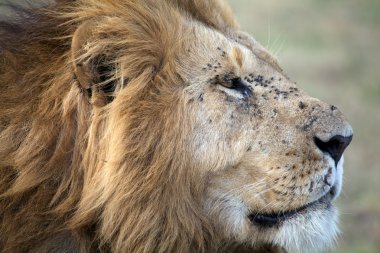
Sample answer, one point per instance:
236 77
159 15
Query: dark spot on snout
327 177
311 188
302 105
310 122
332 191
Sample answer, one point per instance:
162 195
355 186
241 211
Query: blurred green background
332 50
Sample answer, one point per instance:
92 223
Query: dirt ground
332 50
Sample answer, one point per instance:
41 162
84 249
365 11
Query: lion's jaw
311 228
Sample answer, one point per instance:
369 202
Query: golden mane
68 169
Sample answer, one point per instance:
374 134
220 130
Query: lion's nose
334 147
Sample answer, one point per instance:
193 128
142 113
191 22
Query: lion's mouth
272 219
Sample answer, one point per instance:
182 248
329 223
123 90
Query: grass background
332 50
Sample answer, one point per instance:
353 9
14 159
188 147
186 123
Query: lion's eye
239 85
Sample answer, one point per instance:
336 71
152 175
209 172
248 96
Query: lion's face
217 107
271 153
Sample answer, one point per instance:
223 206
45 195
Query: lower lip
270 220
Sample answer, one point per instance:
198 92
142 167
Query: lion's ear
82 70
94 73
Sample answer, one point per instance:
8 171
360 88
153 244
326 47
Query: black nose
334 147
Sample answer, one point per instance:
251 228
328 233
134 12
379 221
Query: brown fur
87 170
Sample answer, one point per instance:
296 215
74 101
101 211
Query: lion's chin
314 231
310 228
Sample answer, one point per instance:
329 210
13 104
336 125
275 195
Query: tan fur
155 165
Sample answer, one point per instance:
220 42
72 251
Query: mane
67 165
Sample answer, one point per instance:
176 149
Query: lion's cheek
216 144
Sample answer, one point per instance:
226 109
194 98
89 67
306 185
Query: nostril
334 147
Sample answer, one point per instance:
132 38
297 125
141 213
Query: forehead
213 51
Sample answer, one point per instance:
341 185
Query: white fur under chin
315 231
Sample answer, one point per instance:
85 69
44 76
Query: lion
158 126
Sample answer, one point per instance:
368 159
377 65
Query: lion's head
160 126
